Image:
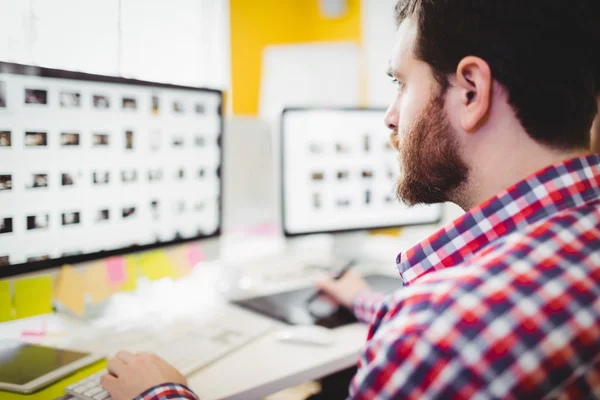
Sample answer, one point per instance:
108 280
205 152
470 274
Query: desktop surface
255 370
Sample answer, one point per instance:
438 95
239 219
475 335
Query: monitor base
349 246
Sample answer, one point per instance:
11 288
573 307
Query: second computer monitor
339 174
95 166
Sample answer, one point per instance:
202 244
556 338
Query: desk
267 366
262 367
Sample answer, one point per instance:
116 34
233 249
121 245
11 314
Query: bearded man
494 110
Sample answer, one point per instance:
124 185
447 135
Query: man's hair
544 52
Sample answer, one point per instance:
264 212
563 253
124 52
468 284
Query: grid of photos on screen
73 178
322 178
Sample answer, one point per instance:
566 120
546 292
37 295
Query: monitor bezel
23 69
282 185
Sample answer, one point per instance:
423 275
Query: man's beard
432 168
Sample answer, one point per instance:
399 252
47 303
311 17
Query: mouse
306 334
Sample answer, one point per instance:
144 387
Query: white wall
379 28
175 41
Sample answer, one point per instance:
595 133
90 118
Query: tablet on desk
292 307
25 368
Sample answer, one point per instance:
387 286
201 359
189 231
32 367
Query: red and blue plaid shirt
502 303
171 391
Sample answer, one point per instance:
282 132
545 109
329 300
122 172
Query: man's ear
474 79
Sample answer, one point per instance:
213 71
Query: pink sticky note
34 335
41 331
263 230
115 270
195 254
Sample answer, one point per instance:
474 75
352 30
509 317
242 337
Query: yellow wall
256 24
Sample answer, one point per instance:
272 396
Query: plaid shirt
168 391
502 303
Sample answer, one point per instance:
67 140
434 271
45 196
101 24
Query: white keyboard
188 347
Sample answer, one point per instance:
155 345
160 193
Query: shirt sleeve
365 305
168 391
397 361
383 369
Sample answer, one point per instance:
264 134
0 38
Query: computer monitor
94 166
338 174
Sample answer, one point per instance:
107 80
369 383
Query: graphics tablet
25 368
294 308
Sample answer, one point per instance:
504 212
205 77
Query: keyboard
188 347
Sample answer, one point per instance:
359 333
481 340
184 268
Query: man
494 109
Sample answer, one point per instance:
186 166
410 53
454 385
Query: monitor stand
328 252
301 258
349 246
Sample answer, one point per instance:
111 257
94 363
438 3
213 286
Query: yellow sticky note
131 268
6 307
33 297
387 232
179 261
96 282
156 265
70 290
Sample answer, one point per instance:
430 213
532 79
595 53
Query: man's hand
130 375
344 289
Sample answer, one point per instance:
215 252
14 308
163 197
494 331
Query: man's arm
384 369
366 304
168 391
352 292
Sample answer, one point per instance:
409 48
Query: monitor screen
93 166
339 173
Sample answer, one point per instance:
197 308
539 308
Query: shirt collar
566 185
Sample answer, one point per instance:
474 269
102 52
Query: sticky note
131 274
262 230
96 282
179 261
195 254
387 232
36 334
33 296
115 269
6 307
156 265
70 290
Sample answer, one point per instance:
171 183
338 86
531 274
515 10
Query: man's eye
398 83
